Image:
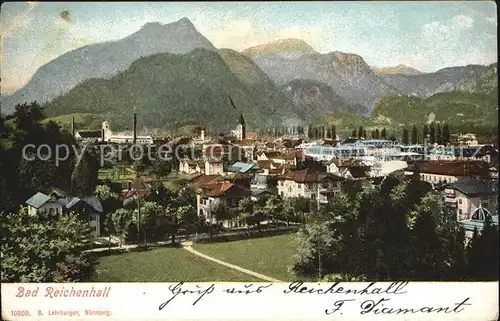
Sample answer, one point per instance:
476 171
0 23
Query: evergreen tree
373 134
3 129
405 138
425 133
377 134
364 134
432 134
84 176
334 132
354 133
310 132
446 134
360 132
425 247
482 254
328 133
414 135
383 135
439 135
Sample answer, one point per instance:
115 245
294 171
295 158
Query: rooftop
454 168
474 187
240 167
90 133
38 200
308 176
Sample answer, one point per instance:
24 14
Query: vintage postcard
249 160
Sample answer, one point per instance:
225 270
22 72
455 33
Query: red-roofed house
278 157
190 167
442 171
310 184
211 190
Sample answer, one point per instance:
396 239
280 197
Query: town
241 185
275 142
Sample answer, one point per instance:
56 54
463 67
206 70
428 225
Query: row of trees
394 231
434 133
375 134
318 132
278 131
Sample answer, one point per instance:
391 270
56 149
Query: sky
424 35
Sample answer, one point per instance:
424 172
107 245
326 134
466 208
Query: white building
437 172
384 168
122 138
89 136
467 195
206 167
348 168
240 131
43 204
89 207
308 183
467 140
286 158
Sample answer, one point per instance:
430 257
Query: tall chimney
73 126
135 128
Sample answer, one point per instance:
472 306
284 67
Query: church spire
241 120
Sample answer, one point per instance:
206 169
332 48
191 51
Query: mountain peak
282 46
185 21
155 26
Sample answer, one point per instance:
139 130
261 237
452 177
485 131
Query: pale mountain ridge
290 47
444 80
399 69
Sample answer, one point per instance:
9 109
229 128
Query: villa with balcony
308 183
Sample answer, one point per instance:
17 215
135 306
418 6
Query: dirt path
187 246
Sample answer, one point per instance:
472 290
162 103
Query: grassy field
175 181
164 265
117 173
82 120
270 256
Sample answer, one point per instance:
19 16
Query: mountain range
172 75
103 60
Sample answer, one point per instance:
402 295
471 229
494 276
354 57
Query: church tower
240 129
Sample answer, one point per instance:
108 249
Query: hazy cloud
492 20
11 26
461 21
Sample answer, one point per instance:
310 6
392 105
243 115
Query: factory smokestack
135 128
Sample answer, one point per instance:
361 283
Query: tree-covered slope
169 90
451 107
